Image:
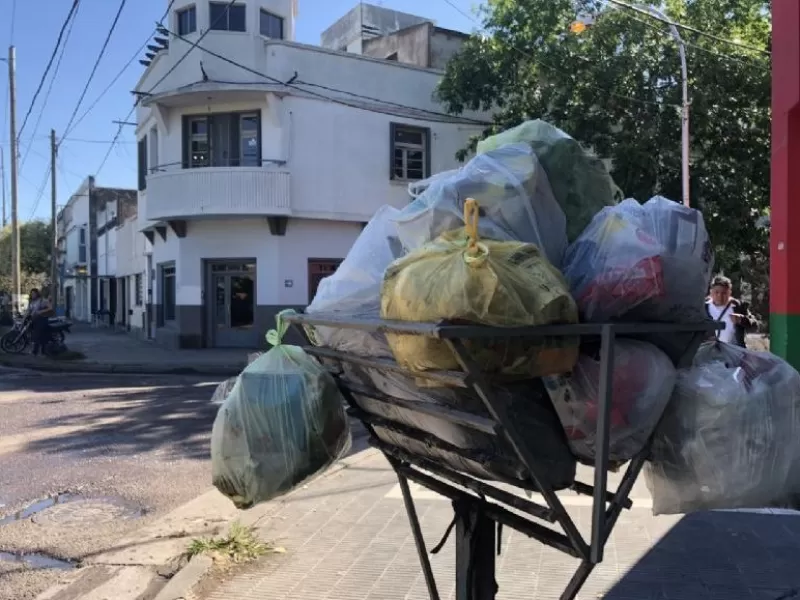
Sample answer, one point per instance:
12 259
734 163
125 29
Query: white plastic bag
282 423
642 384
649 262
512 190
354 289
730 435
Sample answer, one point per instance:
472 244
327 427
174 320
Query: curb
187 577
50 366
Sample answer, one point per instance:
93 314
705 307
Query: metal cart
482 509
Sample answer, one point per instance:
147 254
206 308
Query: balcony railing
218 191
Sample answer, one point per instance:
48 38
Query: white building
255 178
88 243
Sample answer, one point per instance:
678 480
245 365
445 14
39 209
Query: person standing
723 307
39 311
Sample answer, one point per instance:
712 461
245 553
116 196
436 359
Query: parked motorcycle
20 337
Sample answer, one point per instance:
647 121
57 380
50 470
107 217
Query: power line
119 74
555 69
49 90
167 74
418 113
710 36
49 64
96 64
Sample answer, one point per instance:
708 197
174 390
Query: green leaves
616 87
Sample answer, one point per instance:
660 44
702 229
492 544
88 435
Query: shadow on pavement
132 419
718 555
135 415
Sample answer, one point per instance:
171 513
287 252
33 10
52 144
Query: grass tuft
240 545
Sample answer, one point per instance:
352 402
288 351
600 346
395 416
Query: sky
34 30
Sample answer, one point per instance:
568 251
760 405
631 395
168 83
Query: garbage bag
512 191
730 434
642 383
503 284
648 262
354 289
464 448
580 181
282 423
224 389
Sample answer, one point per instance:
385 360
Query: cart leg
577 581
419 541
475 555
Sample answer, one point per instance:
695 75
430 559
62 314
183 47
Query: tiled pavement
347 538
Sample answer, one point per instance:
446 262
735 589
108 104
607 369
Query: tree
616 87
35 247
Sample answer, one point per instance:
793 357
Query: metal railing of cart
482 509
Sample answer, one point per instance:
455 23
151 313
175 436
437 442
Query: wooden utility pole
53 224
16 296
3 184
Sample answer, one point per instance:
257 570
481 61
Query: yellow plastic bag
461 279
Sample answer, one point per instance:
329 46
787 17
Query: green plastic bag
283 422
580 181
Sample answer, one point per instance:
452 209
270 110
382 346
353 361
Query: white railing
217 191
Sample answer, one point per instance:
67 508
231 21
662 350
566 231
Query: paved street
120 450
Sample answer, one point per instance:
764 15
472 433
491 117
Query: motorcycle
21 336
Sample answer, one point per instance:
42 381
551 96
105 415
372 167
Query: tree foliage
616 87
35 248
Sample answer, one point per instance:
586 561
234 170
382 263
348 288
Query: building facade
87 239
260 159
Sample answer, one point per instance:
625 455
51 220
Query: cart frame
482 509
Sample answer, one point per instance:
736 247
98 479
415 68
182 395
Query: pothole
73 510
37 560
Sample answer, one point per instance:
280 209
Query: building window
168 291
226 18
222 140
82 245
271 26
143 164
153 137
137 287
187 20
410 152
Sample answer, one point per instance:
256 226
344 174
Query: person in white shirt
736 316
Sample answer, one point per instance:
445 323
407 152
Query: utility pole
3 184
16 295
54 229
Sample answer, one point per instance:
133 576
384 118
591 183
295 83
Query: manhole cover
86 512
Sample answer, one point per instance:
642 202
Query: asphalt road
121 450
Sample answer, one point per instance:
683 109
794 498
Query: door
319 269
232 304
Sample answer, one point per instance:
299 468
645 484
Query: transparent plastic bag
649 262
224 389
730 435
504 284
580 181
354 289
282 423
512 190
642 384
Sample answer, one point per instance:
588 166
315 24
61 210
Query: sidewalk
109 351
347 538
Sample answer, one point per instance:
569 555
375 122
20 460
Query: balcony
218 192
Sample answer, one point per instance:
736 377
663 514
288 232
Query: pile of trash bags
531 231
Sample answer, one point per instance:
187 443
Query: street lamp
581 25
